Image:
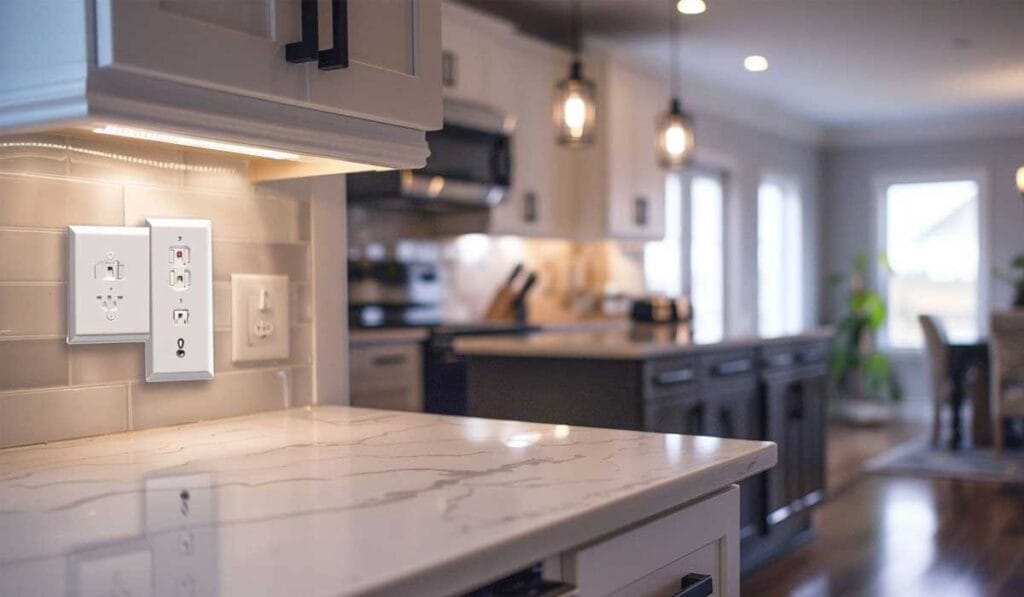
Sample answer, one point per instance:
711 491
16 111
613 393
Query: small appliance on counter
394 293
661 309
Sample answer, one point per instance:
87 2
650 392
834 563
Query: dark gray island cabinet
758 389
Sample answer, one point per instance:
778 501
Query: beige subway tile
251 258
39 154
40 202
51 415
230 394
301 303
302 386
103 363
113 160
33 256
33 310
222 305
33 363
234 217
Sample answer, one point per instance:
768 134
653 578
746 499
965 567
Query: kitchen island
655 378
331 500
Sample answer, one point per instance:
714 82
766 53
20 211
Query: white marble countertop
636 343
335 500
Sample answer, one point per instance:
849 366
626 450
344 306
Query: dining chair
941 381
1006 356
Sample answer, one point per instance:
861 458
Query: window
704 274
707 259
780 296
931 242
663 259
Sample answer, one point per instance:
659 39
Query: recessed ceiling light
691 7
755 63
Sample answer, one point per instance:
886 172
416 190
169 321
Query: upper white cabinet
540 200
622 167
219 70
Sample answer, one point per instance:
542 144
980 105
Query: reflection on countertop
636 341
334 500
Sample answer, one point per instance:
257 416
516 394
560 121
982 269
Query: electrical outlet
108 284
180 346
260 317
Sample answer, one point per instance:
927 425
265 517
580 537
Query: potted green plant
1015 278
863 384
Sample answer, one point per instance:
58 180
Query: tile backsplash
51 391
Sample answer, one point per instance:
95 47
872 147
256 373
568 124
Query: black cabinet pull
695 585
389 360
671 378
735 367
337 56
640 211
307 48
530 207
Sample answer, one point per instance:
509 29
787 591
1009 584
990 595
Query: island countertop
336 500
635 343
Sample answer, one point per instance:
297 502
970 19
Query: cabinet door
541 188
394 72
735 412
784 404
815 388
230 46
465 59
686 415
636 184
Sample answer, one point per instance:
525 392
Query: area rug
918 459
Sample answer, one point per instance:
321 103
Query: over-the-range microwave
470 166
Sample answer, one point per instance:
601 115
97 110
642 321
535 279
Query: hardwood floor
904 537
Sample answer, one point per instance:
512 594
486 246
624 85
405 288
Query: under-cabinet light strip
197 142
130 159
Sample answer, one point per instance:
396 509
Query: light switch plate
108 284
180 346
260 318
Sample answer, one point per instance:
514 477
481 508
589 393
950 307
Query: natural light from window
779 260
931 242
663 259
707 258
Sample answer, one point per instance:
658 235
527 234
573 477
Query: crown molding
948 128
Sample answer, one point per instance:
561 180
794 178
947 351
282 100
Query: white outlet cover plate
251 343
108 284
180 350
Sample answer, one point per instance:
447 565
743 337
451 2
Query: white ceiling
844 65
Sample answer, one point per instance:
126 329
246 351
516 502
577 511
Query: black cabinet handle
695 585
672 378
734 367
389 360
640 216
530 207
308 47
501 161
337 56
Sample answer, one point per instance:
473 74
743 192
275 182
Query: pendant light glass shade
675 138
1020 180
575 109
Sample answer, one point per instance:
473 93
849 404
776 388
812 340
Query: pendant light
1020 180
575 108
675 129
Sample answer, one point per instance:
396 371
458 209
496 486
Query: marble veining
334 500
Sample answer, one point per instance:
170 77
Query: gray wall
748 154
849 214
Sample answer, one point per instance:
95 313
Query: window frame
791 186
880 186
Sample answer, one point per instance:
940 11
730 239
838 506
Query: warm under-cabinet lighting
196 142
691 7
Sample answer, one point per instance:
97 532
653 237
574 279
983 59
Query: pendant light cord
674 52
575 16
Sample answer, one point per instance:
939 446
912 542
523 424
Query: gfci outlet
108 284
180 346
260 318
